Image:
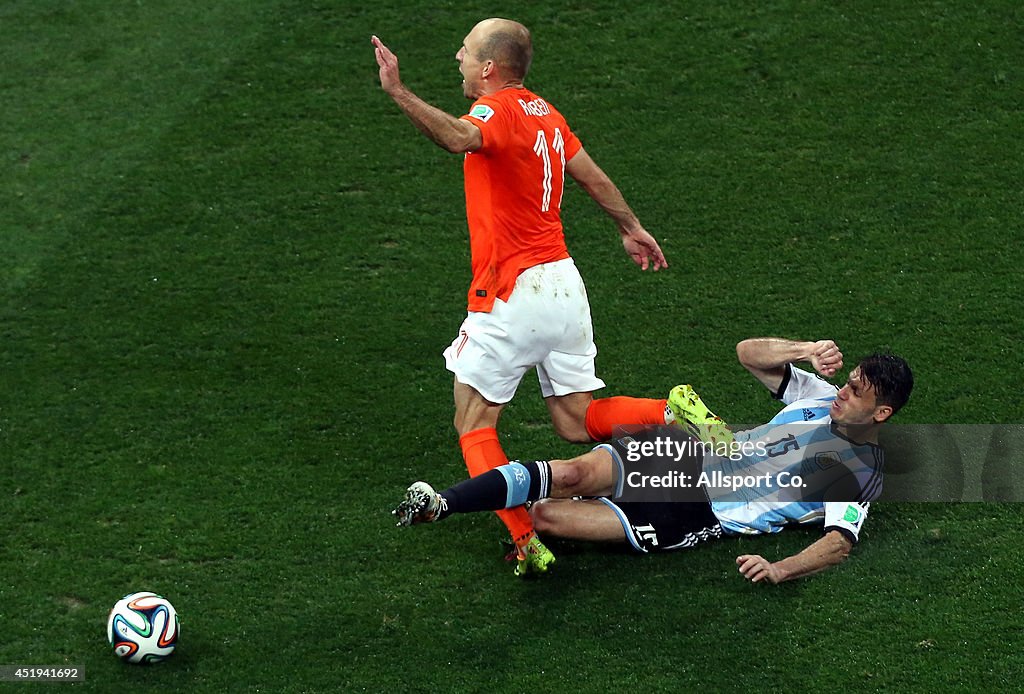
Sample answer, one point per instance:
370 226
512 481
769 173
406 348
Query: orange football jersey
514 185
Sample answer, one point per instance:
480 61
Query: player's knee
544 518
569 478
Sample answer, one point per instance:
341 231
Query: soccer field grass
228 267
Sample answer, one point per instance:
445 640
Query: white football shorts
545 324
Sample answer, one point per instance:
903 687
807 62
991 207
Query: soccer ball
142 628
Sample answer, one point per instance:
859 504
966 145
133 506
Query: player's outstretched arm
444 129
639 244
829 550
766 358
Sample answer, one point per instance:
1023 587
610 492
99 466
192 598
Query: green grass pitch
228 266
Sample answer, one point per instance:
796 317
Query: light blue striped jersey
799 441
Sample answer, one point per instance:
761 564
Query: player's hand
388 62
826 358
644 250
756 568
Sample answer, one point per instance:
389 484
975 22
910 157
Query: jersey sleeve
572 144
846 517
487 115
798 384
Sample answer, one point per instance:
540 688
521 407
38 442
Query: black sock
540 479
503 487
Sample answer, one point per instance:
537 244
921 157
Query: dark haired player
819 423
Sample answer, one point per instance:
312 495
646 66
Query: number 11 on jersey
541 148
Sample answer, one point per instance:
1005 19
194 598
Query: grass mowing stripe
87 91
234 432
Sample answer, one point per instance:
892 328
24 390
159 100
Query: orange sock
482 452
605 414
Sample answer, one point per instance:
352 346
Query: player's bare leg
568 415
590 474
581 418
577 519
476 420
474 411
511 485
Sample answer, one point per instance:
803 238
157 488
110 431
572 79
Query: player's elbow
745 352
455 146
464 137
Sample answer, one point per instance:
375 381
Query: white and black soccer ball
143 628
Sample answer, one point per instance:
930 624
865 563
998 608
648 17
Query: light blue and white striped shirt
800 441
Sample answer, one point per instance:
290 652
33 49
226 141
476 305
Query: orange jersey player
527 304
514 186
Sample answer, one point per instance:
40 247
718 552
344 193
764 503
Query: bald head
507 43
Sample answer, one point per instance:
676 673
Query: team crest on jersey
482 112
827 459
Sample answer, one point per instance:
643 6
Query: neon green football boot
694 417
533 558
